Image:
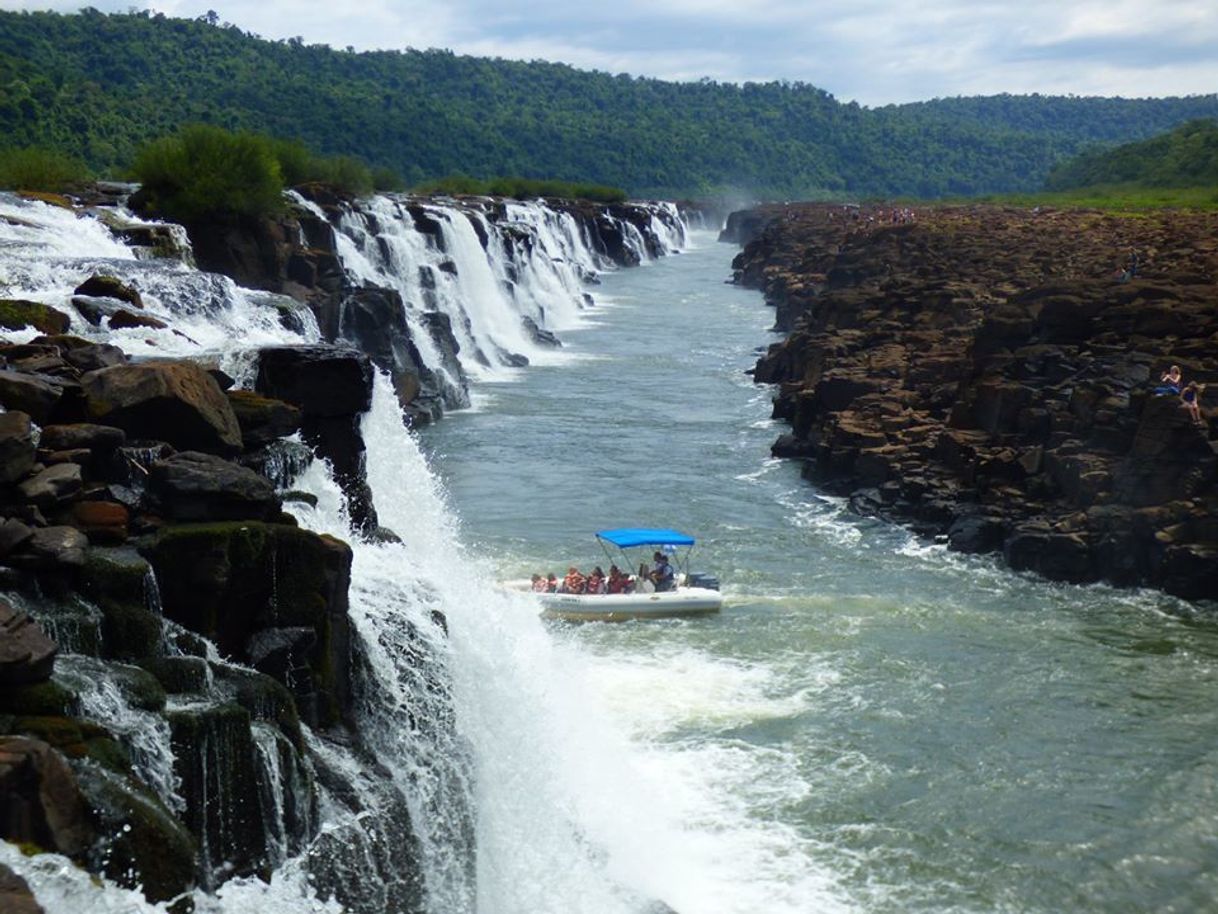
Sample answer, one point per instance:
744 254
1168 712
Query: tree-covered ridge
1184 157
98 87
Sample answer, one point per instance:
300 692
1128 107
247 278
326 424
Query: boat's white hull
684 601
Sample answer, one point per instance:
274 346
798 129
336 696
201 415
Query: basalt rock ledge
989 376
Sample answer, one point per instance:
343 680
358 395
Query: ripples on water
873 723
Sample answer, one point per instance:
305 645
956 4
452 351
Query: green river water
872 723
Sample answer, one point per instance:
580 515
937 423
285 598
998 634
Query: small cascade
125 702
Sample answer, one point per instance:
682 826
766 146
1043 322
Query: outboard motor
701 579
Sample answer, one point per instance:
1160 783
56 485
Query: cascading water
469 713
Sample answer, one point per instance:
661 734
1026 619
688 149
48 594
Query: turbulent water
872 723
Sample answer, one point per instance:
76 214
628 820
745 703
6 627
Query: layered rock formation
200 626
988 375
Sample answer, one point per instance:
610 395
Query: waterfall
477 756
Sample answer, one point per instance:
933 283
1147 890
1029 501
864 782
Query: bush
206 172
33 168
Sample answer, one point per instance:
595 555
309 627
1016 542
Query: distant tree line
98 87
1184 157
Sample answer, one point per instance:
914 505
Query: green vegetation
205 172
100 86
1186 157
39 170
1118 198
522 189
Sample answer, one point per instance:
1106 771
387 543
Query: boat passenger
617 582
539 584
574 582
551 583
662 574
596 581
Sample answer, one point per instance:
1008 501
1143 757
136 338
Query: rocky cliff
988 375
166 627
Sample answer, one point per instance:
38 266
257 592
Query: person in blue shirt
662 574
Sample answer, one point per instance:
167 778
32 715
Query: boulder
27 655
100 285
122 319
36 395
323 380
53 549
101 439
40 801
103 522
13 533
177 402
141 844
15 894
52 485
16 446
193 486
263 419
16 315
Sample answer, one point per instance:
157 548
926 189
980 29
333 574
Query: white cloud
873 51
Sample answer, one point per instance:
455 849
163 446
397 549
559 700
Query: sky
874 52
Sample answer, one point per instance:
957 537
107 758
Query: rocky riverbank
987 375
144 536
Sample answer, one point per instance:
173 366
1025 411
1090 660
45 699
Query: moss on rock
16 314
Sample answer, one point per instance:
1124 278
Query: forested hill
1185 157
98 86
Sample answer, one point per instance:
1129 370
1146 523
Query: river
871 724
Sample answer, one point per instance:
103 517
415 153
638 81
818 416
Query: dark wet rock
52 485
332 386
52 549
16 446
16 314
978 374
179 675
15 894
142 845
40 801
13 533
102 286
103 522
27 655
36 395
539 335
231 581
193 486
93 310
263 419
323 380
101 439
123 319
177 402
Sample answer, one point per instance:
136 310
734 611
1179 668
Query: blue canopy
626 537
